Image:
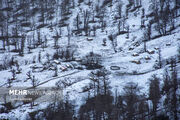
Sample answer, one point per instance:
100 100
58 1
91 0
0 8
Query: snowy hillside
112 59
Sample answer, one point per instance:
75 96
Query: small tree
56 38
119 10
69 35
94 30
77 22
172 63
149 30
145 38
34 59
34 82
22 45
113 40
127 13
56 71
127 28
104 42
119 26
48 57
29 75
86 21
142 22
39 57
92 61
12 62
159 58
9 81
147 35
179 53
13 71
143 13
18 68
39 37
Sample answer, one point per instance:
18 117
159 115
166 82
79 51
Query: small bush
7 62
66 53
7 107
92 61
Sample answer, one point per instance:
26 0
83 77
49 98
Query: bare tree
13 71
56 39
146 36
69 35
21 51
119 10
29 75
56 71
86 21
34 81
39 57
113 41
159 58
127 28
77 22
119 27
131 96
9 81
94 30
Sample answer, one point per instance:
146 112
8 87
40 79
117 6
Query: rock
135 54
150 51
156 48
89 39
147 58
131 48
168 44
136 61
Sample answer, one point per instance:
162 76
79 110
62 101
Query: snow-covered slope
135 64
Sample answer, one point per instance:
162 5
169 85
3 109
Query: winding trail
54 78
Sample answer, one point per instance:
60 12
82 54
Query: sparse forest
110 59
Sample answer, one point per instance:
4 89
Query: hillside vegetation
112 59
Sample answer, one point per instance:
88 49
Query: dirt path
54 78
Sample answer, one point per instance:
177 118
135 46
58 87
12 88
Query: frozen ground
129 71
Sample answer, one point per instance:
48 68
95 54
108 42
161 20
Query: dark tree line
131 103
101 104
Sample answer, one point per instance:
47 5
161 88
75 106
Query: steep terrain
59 41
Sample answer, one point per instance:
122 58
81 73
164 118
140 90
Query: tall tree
131 97
154 92
175 96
